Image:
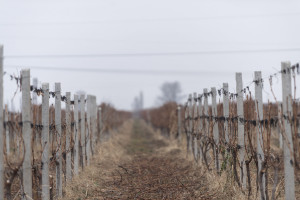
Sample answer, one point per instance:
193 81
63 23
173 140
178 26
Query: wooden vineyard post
226 111
288 149
1 126
45 143
96 120
186 121
215 127
51 131
27 134
7 131
205 134
76 135
194 131
200 131
241 143
35 109
99 123
179 124
206 121
226 124
190 129
68 138
259 131
88 134
92 118
82 129
94 123
59 139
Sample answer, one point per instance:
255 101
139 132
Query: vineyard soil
137 163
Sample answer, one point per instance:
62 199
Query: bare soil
149 171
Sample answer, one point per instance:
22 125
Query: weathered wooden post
241 143
99 123
186 119
190 131
288 149
59 139
35 109
51 132
68 138
215 126
76 135
88 128
200 132
226 124
179 124
205 134
94 123
226 111
259 131
194 130
7 131
1 126
206 121
82 129
27 133
45 143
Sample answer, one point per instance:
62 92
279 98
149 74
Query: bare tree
171 92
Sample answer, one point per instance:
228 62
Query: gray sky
128 45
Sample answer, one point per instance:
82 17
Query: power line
120 71
188 53
152 20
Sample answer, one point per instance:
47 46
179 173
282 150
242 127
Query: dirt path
145 169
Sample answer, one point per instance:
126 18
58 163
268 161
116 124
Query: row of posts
85 139
285 109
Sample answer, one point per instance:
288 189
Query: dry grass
109 154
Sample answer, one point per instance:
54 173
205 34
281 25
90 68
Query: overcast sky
116 48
